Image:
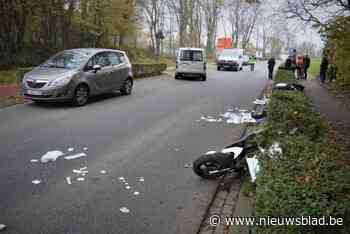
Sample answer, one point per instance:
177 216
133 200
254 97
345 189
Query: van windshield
191 55
231 53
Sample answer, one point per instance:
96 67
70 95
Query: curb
228 197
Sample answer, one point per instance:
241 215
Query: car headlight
59 82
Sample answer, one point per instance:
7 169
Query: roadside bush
284 76
306 179
142 70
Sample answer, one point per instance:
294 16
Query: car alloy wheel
128 85
81 96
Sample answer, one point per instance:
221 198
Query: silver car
75 75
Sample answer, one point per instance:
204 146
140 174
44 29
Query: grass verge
315 67
309 178
8 77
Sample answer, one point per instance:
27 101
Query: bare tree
182 12
211 10
318 12
242 17
154 13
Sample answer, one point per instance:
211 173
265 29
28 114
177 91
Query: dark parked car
75 75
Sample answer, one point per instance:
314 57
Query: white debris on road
263 101
253 166
80 179
51 156
103 172
238 117
34 160
36 182
76 156
210 119
128 187
70 149
124 210
2 227
136 193
142 179
122 179
69 180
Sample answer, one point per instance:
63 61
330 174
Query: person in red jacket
300 67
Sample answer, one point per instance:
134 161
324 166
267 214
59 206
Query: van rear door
192 61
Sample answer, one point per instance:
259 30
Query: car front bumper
57 94
227 65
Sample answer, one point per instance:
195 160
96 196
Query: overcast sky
302 32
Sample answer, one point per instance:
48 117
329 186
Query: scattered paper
211 119
68 179
121 178
76 156
51 156
275 148
36 182
2 227
124 210
263 101
253 166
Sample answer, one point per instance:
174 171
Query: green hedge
143 70
307 179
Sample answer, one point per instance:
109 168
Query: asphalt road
152 134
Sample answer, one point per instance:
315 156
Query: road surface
152 134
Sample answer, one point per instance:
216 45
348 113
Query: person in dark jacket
271 65
307 62
323 69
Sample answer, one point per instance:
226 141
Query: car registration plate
34 92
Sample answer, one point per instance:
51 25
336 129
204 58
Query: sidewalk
325 103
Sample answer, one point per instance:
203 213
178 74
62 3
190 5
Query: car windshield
67 60
230 53
191 55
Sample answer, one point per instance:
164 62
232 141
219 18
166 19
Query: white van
191 62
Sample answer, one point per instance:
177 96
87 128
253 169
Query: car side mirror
96 68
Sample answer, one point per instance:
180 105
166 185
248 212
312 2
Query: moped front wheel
212 166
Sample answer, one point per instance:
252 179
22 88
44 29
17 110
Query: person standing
300 67
252 62
307 62
271 65
323 69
